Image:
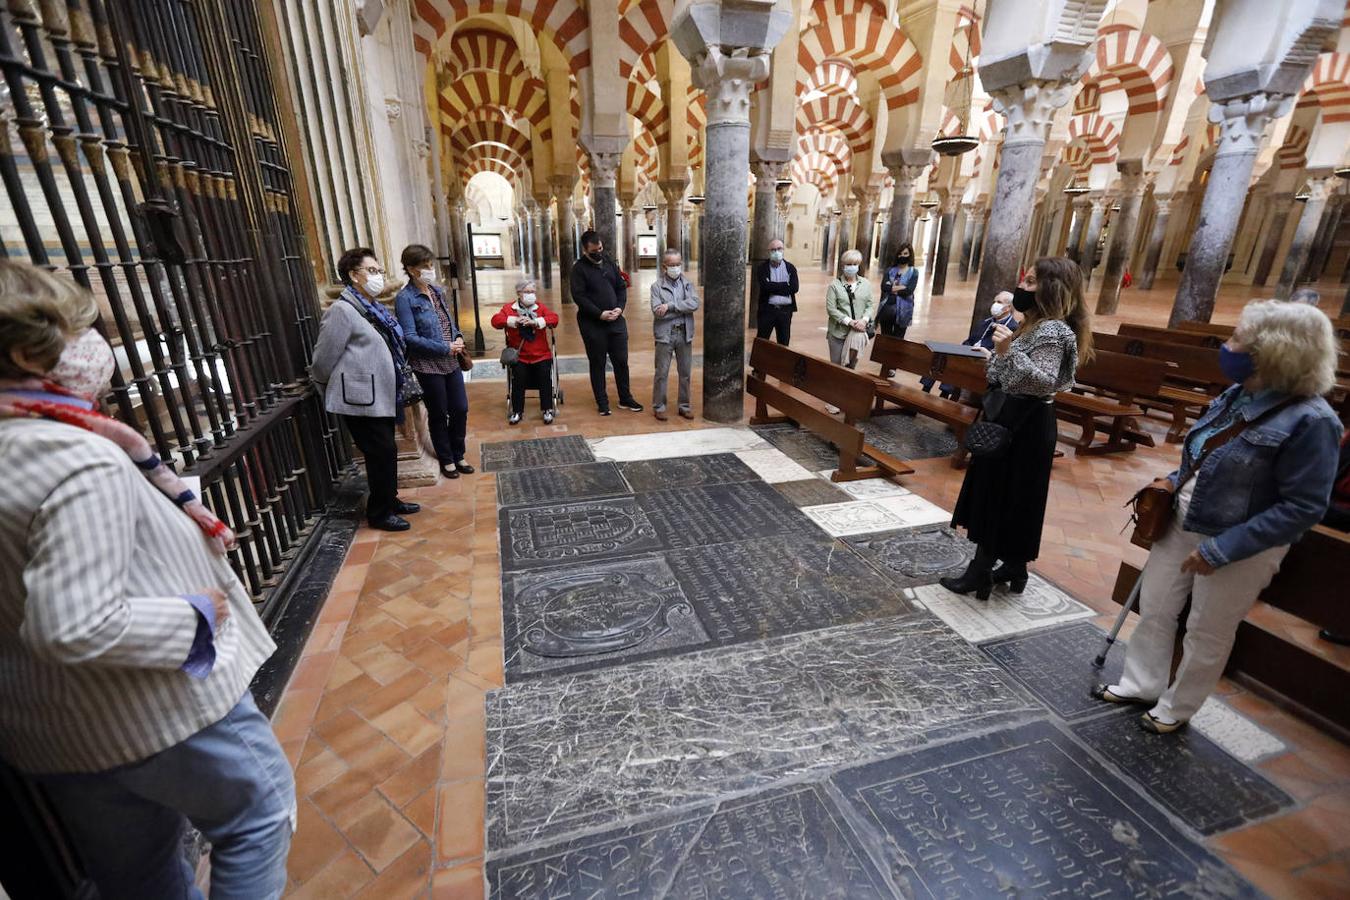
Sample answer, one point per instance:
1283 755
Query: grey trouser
838 355
683 351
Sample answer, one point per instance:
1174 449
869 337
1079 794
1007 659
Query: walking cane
1125 610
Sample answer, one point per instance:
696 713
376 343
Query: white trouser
1218 603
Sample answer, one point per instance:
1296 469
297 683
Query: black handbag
987 439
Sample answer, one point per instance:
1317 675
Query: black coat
596 288
768 288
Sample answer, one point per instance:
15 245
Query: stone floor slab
1004 613
772 465
593 750
663 445
551 484
868 488
685 471
883 514
571 533
801 446
909 437
535 453
713 514
810 492
787 842
1185 772
916 556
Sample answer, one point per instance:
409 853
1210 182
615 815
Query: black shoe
403 508
979 582
1014 576
630 405
548 416
1330 636
391 523
513 419
449 472
605 411
463 468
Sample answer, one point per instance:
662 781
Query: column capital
673 190
905 174
1321 183
562 185
727 81
1162 204
767 172
1242 120
951 203
604 167
1029 107
1101 202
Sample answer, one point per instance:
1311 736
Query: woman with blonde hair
1256 473
850 303
1002 501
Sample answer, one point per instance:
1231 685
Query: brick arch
1077 157
829 144
834 76
1293 153
563 22
965 41
805 171
841 112
1098 135
648 109
1328 85
643 24
646 156
490 131
856 32
478 49
487 164
1137 62
526 97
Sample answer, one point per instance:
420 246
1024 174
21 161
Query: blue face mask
1236 365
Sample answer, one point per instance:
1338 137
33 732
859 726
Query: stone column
906 167
1081 205
826 236
1123 228
567 251
545 220
604 201
1092 234
629 256
673 191
967 242
1319 189
1279 219
1162 213
1049 216
931 253
765 225
844 241
944 246
1326 238
866 224
1242 121
782 203
537 247
687 237
977 245
726 75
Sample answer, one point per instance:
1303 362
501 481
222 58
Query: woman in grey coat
359 361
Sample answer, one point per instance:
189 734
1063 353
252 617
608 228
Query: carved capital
604 167
673 190
1321 183
422 149
1162 204
906 175
766 172
1101 203
1029 106
728 80
1242 120
393 109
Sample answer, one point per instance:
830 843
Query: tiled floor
384 717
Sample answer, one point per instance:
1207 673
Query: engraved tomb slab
1004 613
685 471
536 536
712 514
801 446
554 483
810 492
915 556
536 453
1024 812
909 437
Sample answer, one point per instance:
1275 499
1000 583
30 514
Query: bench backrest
965 372
1132 376
849 390
1191 363
1223 331
1170 336
1305 584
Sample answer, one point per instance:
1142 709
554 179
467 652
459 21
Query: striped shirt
94 628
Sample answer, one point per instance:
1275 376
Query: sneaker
660 415
513 419
630 405
548 417
686 413
605 411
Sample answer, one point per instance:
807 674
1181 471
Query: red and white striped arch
1328 85
646 157
490 132
1136 62
1293 153
696 116
648 109
527 98
965 43
562 22
829 144
1078 157
855 31
841 112
642 25
478 49
817 170
834 76
486 164
1099 136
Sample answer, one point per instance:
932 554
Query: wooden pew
1170 335
966 373
801 379
1192 379
1118 379
1275 649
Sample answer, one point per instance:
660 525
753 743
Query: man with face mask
674 301
982 335
127 643
776 281
600 293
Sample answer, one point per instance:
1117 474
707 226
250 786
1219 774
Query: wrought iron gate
141 154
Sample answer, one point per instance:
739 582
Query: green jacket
837 306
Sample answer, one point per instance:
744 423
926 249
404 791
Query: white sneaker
831 409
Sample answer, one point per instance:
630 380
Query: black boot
1013 574
976 577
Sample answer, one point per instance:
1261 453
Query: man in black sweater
601 294
776 280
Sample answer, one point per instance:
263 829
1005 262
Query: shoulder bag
987 439
853 314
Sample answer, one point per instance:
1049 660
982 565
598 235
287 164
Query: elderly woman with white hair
850 304
1256 473
528 349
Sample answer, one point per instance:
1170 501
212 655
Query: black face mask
904 260
595 256
1023 299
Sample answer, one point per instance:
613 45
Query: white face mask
86 365
776 255
850 270
427 275
374 285
997 310
673 271
527 299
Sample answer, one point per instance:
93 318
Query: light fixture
1343 173
697 199
650 207
1074 190
783 183
960 142
1116 208
928 203
955 145
1303 196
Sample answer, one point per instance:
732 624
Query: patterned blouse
439 365
1040 363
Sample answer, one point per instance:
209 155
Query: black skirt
1002 502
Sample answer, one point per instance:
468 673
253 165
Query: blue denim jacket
904 313
1266 486
421 326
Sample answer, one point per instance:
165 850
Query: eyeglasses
371 270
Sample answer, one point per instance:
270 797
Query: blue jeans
231 780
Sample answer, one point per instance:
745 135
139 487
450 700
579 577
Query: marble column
545 219
906 173
1279 220
567 249
825 239
1242 122
1049 217
673 190
765 223
935 228
699 222
967 243
866 224
944 245
1326 238
537 246
687 237
629 237
844 241
604 200
1123 229
1081 206
1319 189
977 245
1162 213
1087 259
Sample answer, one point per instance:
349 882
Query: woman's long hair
1059 295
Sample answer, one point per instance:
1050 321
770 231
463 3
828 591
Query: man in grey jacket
673 304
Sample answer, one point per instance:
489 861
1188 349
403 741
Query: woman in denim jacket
1237 507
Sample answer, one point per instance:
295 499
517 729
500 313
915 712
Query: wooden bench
1117 379
1170 335
966 373
801 379
1276 650
1192 379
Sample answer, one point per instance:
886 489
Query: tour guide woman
1002 501
1256 473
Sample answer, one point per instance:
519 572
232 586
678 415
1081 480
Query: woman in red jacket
524 322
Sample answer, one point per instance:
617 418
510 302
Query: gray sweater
1040 363
682 300
353 365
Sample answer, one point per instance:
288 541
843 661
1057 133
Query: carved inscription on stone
1056 666
536 453
575 617
1004 613
1025 813
753 589
534 536
801 446
685 471
782 843
712 514
909 437
1186 773
549 485
810 492
916 556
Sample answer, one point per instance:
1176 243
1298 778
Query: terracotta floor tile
460 820
487 662
1297 775
462 882
464 752
408 728
295 715
341 794
1264 843
314 844
1316 831
421 811
414 778
383 664
360 744
378 831
433 658
342 877
462 698
407 877
1276 882
404 688
317 771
